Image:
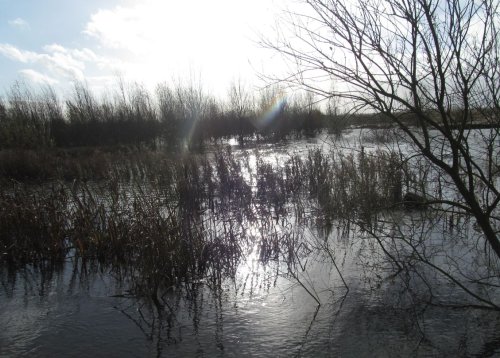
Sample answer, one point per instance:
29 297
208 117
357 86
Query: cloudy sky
58 41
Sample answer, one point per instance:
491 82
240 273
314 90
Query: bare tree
430 67
241 105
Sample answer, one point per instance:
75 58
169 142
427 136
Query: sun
160 40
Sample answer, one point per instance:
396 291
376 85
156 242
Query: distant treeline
172 116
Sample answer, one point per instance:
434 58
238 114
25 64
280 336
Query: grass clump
172 222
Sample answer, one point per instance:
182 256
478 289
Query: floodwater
77 309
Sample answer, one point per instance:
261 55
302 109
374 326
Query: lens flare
192 129
268 117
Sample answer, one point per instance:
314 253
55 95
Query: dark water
82 311
77 309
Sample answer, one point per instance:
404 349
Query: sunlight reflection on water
262 312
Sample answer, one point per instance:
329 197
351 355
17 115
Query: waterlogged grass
170 221
183 237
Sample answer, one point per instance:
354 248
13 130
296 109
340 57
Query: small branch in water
464 306
326 248
308 330
316 298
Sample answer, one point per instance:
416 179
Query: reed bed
170 117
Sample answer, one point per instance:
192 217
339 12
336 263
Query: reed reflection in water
234 254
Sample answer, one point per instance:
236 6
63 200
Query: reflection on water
268 306
80 310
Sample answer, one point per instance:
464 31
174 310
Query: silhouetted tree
435 61
240 108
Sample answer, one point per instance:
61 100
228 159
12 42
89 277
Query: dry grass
174 222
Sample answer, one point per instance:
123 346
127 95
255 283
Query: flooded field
298 248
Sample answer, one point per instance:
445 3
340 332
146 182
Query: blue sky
58 41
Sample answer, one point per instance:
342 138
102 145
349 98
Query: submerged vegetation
175 220
182 220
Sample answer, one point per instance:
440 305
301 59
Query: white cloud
38 77
180 29
19 23
16 54
58 61
166 39
59 65
151 41
52 48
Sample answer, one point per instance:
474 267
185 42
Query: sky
214 42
